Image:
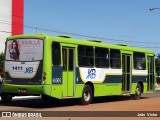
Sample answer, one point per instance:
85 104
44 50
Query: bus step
126 94
68 97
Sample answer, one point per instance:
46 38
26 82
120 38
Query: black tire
6 97
87 95
138 92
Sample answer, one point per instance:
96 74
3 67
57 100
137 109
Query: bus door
126 73
150 82
68 56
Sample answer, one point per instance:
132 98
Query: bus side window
115 59
85 56
56 56
139 61
101 57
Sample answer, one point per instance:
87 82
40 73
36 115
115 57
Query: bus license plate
22 90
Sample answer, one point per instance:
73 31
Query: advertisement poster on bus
24 50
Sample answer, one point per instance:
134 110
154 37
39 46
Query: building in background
11 19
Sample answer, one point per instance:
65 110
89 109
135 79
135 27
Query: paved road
148 102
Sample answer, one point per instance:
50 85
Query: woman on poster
14 51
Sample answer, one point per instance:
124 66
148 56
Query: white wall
5 21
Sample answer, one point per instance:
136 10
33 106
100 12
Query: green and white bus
63 67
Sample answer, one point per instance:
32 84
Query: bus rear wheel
137 95
86 95
6 97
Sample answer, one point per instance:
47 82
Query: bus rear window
24 50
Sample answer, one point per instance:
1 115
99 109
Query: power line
93 37
62 32
6 16
5 31
156 47
132 46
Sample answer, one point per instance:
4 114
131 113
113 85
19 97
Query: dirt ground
148 102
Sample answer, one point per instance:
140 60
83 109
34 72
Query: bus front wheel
86 95
138 92
6 97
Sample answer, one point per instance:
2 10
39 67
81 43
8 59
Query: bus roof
69 39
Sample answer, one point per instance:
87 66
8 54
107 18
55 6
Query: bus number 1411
17 67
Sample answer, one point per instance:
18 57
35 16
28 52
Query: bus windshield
24 50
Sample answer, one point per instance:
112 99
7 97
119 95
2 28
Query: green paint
64 83
70 84
78 91
56 91
107 89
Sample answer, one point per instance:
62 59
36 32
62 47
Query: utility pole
36 29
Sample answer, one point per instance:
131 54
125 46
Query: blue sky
117 21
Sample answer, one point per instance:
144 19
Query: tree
2 62
158 62
158 67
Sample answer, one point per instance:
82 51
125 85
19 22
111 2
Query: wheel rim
86 95
138 92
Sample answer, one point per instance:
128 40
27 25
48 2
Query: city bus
62 67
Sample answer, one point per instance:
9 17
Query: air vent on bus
65 36
122 44
98 41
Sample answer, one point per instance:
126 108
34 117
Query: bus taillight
44 75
